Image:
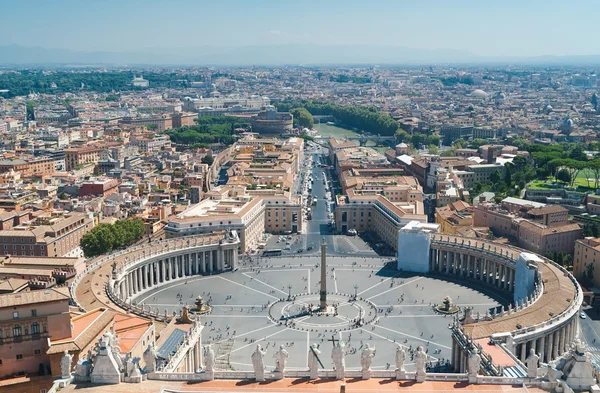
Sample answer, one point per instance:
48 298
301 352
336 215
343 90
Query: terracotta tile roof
558 294
32 297
91 325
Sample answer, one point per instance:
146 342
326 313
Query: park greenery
108 237
362 118
563 259
551 166
25 82
208 129
418 140
302 118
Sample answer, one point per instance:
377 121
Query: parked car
582 315
309 248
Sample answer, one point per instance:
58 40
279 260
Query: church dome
568 123
479 94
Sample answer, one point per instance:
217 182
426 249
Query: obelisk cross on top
323 291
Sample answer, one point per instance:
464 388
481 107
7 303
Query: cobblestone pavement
244 313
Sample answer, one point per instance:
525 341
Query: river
326 130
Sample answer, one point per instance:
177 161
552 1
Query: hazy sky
481 27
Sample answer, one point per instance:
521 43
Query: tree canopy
107 237
209 129
302 118
359 117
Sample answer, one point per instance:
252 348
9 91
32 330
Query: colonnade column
144 276
542 348
550 351
556 351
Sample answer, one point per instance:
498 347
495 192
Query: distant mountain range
272 55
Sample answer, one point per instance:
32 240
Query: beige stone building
370 212
75 157
541 229
28 320
232 208
587 251
46 236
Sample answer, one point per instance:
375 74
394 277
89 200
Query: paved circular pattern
247 306
302 313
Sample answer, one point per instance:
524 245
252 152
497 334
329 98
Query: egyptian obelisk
323 292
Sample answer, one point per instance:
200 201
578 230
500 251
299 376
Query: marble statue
65 365
313 361
150 358
281 359
420 360
532 364
129 366
473 365
400 358
209 359
258 363
366 358
339 361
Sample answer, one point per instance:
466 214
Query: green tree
303 118
495 177
477 143
106 237
564 176
432 149
207 160
29 107
402 136
152 127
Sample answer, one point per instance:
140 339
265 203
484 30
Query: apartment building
98 187
78 156
35 166
28 320
539 229
47 236
454 217
587 251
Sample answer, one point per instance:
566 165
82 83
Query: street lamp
355 291
289 292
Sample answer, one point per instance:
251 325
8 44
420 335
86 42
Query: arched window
16 330
35 328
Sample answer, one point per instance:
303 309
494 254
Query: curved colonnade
545 321
144 267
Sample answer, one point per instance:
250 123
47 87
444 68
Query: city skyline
188 32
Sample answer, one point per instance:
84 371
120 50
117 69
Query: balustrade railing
171 245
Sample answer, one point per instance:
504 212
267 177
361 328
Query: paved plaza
253 306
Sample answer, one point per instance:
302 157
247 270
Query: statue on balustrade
150 357
65 365
420 360
281 357
339 361
400 359
209 359
532 362
314 361
366 358
258 363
